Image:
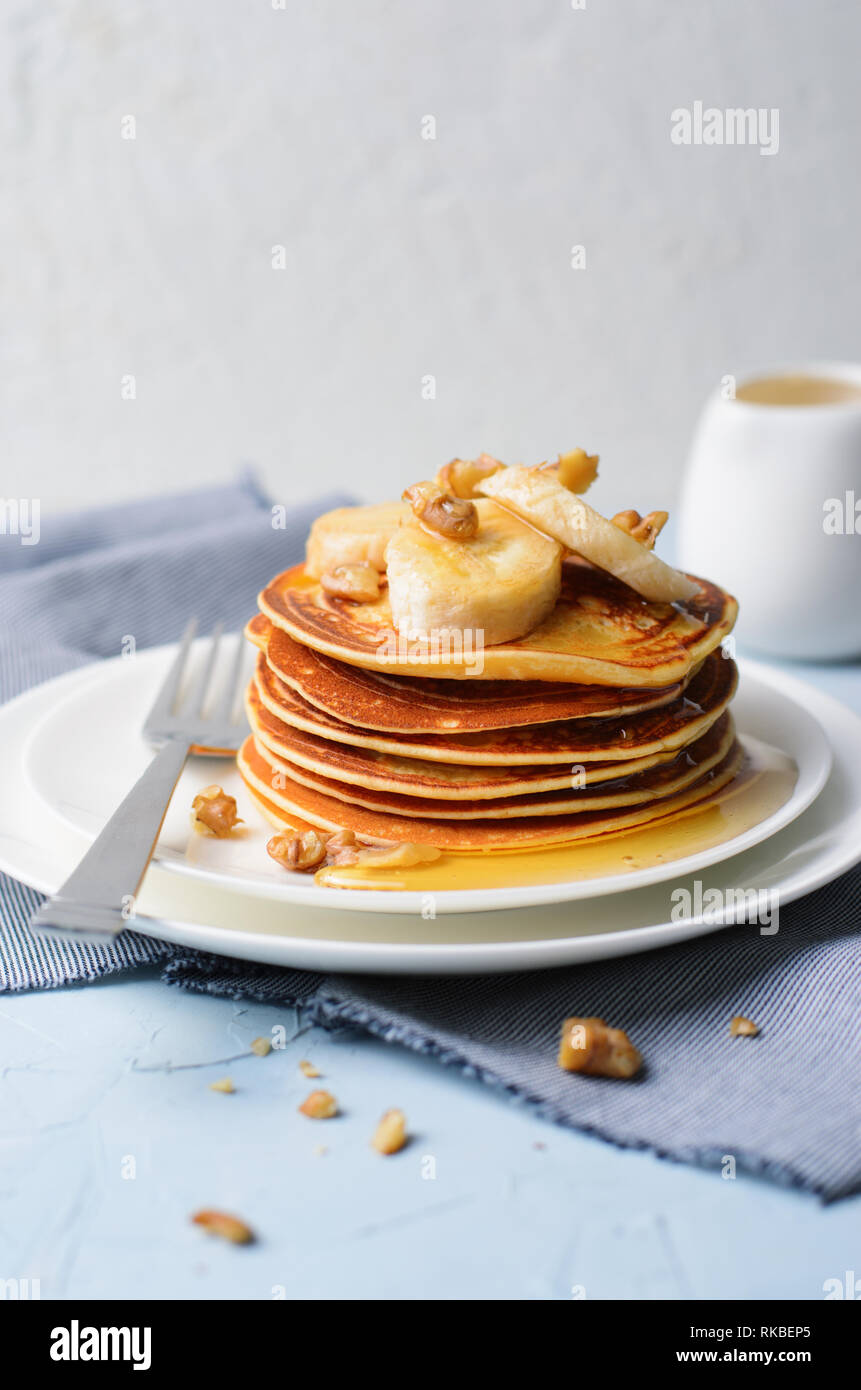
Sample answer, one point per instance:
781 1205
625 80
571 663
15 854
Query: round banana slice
353 536
497 586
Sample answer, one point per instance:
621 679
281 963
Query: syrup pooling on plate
764 784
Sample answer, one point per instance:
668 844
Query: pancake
600 632
417 704
633 789
646 735
410 776
287 799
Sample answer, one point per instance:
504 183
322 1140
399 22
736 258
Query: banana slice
503 582
353 536
539 498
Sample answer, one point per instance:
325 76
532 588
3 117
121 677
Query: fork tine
166 697
224 707
197 696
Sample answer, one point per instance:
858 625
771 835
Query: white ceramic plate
41 849
87 751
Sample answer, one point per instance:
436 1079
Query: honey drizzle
764 784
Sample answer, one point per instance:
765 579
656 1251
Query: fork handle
97 900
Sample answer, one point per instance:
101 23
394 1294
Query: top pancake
421 705
600 633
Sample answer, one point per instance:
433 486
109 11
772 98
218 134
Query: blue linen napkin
786 1105
136 569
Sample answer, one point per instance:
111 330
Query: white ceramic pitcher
771 507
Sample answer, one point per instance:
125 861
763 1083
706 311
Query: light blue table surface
110 1139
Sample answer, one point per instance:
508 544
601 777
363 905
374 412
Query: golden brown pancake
633 789
387 771
417 704
282 796
600 632
649 734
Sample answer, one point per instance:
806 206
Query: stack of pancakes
611 714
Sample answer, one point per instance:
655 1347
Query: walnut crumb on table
589 1046
319 1105
391 1133
227 1227
742 1027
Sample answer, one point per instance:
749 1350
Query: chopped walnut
225 1085
320 1105
261 1047
644 529
461 477
342 847
300 852
742 1027
452 517
577 471
361 583
213 812
220 1223
391 1132
308 1069
402 856
589 1046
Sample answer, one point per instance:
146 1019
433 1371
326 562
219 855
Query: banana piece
353 536
540 499
503 582
576 470
461 476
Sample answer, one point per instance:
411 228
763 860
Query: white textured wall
258 126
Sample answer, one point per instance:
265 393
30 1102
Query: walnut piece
452 517
402 856
224 1085
644 529
342 847
320 850
589 1046
742 1027
391 1133
461 477
220 1223
360 583
213 812
577 470
320 1105
300 852
261 1047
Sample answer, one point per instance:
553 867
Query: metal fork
97 900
